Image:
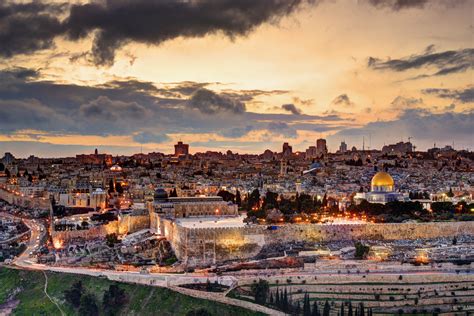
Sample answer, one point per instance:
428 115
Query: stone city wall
25 201
205 246
126 224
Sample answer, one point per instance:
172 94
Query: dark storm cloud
33 26
447 62
153 22
209 102
463 95
28 27
132 107
291 108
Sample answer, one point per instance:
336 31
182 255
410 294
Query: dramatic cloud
402 103
426 127
210 102
28 27
140 109
33 26
291 108
282 128
104 108
342 100
463 95
447 62
153 22
150 137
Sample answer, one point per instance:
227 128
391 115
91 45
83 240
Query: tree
306 305
325 200
277 298
226 195
361 250
341 312
286 305
88 305
238 199
260 291
315 311
73 295
111 239
118 187
114 298
174 193
253 199
111 186
361 309
327 309
450 193
349 311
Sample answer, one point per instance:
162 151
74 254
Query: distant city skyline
313 150
240 75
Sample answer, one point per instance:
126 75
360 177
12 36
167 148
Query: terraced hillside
388 294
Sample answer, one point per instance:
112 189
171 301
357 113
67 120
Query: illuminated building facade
382 190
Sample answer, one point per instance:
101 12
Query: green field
143 300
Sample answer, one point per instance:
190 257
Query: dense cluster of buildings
92 195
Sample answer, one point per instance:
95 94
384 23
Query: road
173 281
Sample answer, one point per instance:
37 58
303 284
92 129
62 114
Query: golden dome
382 179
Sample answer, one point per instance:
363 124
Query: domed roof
382 178
115 168
160 194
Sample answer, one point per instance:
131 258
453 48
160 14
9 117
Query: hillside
141 299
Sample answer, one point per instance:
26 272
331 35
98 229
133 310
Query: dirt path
45 290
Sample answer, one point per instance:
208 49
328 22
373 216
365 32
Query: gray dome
160 194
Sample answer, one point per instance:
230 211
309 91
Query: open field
143 300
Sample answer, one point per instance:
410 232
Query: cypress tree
361 309
285 301
342 309
326 309
315 311
349 312
306 306
298 308
277 298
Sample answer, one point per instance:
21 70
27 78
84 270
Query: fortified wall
206 246
128 223
25 201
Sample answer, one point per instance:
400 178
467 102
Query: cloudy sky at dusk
245 75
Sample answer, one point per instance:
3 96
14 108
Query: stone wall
126 224
205 246
25 201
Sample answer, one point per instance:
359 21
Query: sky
130 76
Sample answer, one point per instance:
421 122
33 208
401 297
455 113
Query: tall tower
321 148
283 167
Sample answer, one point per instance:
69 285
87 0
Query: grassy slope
143 300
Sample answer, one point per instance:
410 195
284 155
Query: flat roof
212 221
